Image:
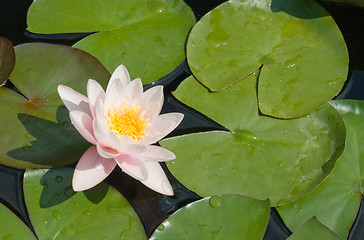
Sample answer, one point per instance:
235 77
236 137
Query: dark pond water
13 24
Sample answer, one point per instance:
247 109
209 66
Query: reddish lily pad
299 48
7 59
261 157
56 211
217 217
35 126
147 36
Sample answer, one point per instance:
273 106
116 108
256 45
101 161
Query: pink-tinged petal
73 100
157 179
83 123
94 93
121 75
91 170
106 152
157 154
162 126
132 166
134 89
115 96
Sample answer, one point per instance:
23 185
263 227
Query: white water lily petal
132 166
155 98
134 89
157 179
73 100
120 74
91 170
115 96
83 123
157 154
106 152
162 126
94 93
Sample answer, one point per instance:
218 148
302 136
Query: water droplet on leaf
215 201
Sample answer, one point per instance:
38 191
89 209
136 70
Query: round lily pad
336 200
217 217
35 126
261 157
147 36
7 59
13 227
313 229
56 211
299 48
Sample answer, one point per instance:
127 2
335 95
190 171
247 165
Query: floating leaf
7 59
36 130
262 157
217 217
56 211
336 201
313 229
296 44
147 36
12 227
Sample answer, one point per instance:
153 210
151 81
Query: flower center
127 121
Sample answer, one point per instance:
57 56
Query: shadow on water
56 143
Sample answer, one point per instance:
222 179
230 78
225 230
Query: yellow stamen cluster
127 121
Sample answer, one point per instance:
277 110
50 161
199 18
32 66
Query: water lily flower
122 123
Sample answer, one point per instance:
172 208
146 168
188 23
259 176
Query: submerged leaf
7 59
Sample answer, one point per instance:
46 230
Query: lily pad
56 211
147 36
35 128
336 200
296 44
7 59
359 3
13 227
313 229
261 157
217 217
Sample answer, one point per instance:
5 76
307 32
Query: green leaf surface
262 157
217 217
336 200
57 212
147 36
7 59
36 130
296 44
12 227
313 229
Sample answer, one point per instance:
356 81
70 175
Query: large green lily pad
7 59
12 227
35 128
299 48
56 211
147 36
262 157
217 217
336 200
313 229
